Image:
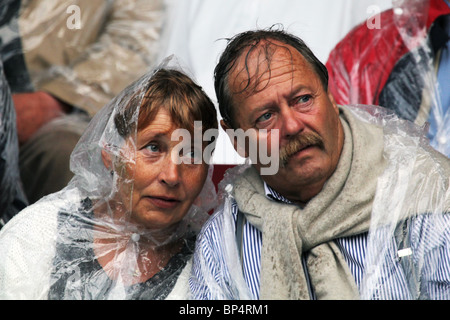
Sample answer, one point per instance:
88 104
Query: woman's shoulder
39 219
27 247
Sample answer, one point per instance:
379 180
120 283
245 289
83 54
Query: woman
124 227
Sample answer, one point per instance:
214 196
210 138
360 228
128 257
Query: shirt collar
272 194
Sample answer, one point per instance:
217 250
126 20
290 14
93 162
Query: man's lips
295 154
163 202
303 148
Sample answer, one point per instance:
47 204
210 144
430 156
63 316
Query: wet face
159 191
295 103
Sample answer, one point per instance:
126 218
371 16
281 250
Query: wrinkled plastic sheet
412 92
410 223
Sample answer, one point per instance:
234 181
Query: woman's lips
163 202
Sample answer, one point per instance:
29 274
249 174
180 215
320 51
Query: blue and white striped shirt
436 280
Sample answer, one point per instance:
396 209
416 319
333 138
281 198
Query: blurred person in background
64 60
12 198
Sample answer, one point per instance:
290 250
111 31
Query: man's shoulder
213 224
219 227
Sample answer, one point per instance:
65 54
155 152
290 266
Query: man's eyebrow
294 91
262 108
298 88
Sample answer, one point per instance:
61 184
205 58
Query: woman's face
159 191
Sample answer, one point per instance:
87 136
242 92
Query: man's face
295 103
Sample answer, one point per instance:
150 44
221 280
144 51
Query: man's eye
264 117
303 99
153 148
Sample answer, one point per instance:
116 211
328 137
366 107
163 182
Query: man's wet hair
246 43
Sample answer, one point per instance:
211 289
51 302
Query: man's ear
333 102
241 150
106 158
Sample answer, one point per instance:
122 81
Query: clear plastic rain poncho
409 236
393 60
82 243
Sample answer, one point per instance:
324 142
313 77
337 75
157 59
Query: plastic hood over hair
414 188
391 60
73 232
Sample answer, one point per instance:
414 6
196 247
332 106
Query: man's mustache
298 143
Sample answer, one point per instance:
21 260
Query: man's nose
292 123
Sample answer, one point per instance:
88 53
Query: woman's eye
153 150
192 156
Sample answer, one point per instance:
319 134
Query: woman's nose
170 173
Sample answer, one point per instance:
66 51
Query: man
64 60
319 228
401 64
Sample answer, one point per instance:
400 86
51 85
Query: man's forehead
260 64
